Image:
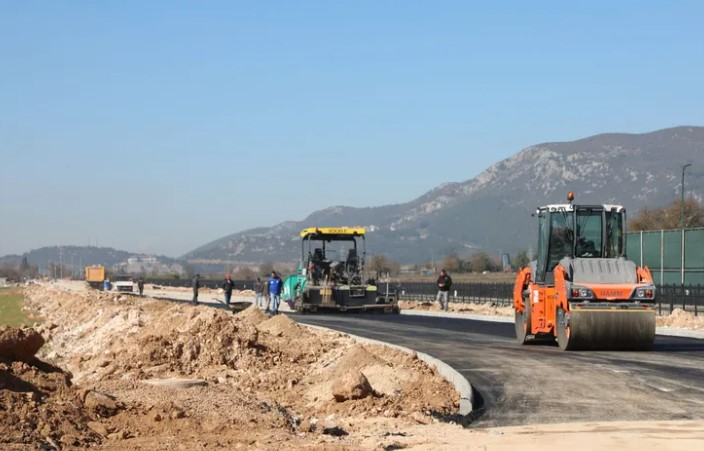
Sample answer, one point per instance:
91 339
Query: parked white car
123 283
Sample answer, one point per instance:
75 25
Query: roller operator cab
582 290
331 274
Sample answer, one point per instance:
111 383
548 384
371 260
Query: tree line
673 216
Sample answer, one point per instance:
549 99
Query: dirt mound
263 382
19 344
220 341
39 405
680 318
252 315
356 358
281 326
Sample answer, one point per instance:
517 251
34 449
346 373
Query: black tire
563 329
522 323
298 306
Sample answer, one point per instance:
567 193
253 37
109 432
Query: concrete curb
460 383
679 332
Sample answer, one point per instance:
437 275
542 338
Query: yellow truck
95 276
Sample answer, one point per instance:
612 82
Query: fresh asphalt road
537 384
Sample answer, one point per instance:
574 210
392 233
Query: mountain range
75 258
492 212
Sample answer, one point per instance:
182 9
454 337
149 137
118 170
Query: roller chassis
595 299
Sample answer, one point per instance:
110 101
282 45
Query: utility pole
684 166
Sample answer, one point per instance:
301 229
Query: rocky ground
121 372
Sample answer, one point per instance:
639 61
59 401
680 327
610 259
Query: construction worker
196 286
140 286
275 287
444 285
259 292
228 286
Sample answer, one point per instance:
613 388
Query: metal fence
669 296
494 293
689 298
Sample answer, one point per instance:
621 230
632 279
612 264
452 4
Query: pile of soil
39 406
487 308
194 377
680 318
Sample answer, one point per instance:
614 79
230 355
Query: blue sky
159 126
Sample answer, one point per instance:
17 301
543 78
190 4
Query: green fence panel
651 250
672 250
633 247
670 243
694 249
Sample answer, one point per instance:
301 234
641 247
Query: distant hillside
492 212
78 256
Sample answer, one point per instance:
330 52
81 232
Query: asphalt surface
538 384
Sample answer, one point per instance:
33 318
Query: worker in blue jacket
276 285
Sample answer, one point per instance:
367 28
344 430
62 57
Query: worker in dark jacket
276 285
196 286
140 286
228 286
444 285
259 292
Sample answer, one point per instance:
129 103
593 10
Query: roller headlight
581 293
645 293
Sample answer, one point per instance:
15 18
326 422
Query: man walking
259 292
196 285
140 286
444 285
275 287
228 286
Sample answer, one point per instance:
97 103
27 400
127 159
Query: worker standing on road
228 286
259 292
275 287
444 285
196 285
140 286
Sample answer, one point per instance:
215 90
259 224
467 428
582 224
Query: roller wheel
522 322
563 329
